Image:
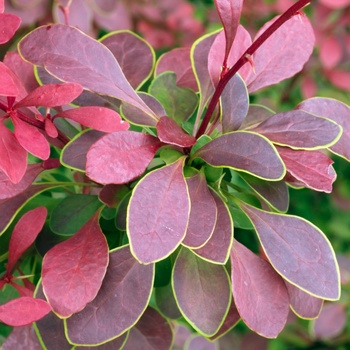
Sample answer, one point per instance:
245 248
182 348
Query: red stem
293 10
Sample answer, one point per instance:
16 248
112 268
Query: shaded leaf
196 342
166 303
112 195
7 84
22 338
9 23
256 115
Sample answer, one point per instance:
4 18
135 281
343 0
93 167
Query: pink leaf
330 52
120 157
260 295
2 6
25 233
73 270
339 78
158 213
9 23
7 84
50 128
23 311
335 4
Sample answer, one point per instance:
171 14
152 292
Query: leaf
7 84
203 213
195 342
24 234
171 133
134 55
120 157
281 56
217 248
9 23
179 103
260 295
256 115
166 303
122 299
51 95
313 169
88 62
300 130
73 270
298 251
158 213
20 336
202 292
23 311
244 151
331 52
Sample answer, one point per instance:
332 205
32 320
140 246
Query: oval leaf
7 84
9 23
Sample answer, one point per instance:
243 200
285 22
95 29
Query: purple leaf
202 291
9 23
166 303
217 248
281 56
256 115
298 251
73 270
203 213
122 299
299 129
259 292
7 84
120 157
198 342
171 133
22 338
244 151
158 213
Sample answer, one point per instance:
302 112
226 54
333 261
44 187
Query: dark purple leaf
299 252
259 292
166 303
112 195
256 115
73 270
158 213
120 157
22 338
202 291
115 344
244 151
122 299
9 23
198 342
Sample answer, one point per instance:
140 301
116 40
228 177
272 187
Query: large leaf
244 151
85 61
20 336
122 299
73 270
202 291
299 129
260 295
158 213
7 84
9 23
298 251
120 157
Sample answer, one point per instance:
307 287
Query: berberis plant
132 191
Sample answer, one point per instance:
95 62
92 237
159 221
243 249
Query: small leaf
9 23
256 115
158 213
7 84
166 303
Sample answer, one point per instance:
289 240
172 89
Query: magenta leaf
196 284
303 304
122 299
259 292
9 23
73 270
298 251
2 6
203 213
217 248
24 234
299 129
8 86
120 157
152 331
244 151
158 213
51 95
312 169
171 133
281 56
23 311
334 110
98 118
134 55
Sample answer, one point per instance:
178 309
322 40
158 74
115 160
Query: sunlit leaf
9 23
7 84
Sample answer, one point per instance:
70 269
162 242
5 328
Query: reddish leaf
7 84
2 6
98 118
244 151
120 157
158 213
22 338
298 251
24 234
313 169
51 95
281 56
260 295
50 128
335 4
202 291
13 158
331 52
122 299
203 213
9 23
73 270
339 78
217 249
23 311
171 133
